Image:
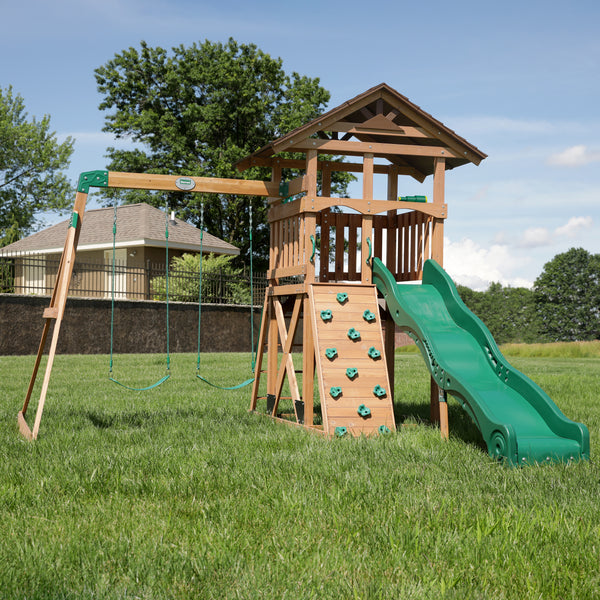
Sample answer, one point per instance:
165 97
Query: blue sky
519 79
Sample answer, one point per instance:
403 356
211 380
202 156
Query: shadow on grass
136 419
460 424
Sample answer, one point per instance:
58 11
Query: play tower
320 275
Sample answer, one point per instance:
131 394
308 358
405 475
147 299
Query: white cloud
573 226
574 156
476 267
536 237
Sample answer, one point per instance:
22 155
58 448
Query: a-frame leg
287 364
55 311
262 338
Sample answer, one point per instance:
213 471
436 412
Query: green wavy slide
519 422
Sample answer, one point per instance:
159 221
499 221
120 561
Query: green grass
180 493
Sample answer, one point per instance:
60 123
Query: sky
519 79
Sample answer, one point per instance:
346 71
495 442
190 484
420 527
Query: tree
197 111
567 296
31 164
509 313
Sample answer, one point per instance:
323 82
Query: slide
519 422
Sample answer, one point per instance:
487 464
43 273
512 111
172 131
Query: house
140 244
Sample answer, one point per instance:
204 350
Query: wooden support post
439 413
308 351
262 338
443 409
439 174
367 221
390 325
57 310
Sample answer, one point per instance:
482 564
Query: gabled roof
137 225
380 117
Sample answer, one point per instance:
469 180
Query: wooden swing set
320 293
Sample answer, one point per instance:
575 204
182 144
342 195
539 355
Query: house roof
381 116
137 225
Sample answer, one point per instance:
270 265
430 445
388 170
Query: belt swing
248 381
112 312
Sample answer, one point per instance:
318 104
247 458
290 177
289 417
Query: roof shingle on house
137 225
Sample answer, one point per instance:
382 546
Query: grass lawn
180 493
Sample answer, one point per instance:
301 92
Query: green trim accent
412 198
74 220
284 188
90 179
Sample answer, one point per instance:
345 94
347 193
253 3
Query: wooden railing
401 241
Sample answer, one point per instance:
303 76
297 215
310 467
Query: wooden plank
287 271
371 207
286 290
214 185
375 148
393 130
346 167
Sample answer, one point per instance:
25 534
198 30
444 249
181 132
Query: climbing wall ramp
353 382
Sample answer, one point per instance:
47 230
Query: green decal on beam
90 179
74 220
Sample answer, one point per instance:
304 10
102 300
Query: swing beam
112 179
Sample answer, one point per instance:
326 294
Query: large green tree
31 168
509 313
568 296
197 110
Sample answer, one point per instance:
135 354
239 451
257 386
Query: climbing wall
353 382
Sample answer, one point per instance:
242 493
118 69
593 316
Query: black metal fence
31 274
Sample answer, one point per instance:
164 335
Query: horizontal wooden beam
210 185
400 131
332 165
375 148
372 207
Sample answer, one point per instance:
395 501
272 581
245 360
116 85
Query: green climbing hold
383 430
353 334
326 315
379 391
351 372
341 431
342 297
364 411
374 353
368 316
331 353
335 392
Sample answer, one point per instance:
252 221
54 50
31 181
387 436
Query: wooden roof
137 224
380 121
